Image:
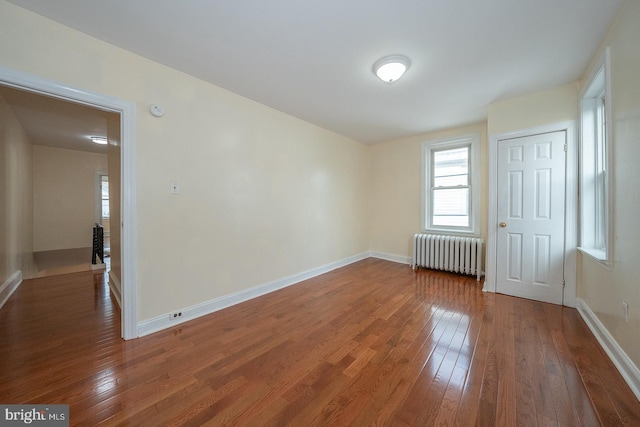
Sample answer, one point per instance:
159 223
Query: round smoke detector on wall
156 110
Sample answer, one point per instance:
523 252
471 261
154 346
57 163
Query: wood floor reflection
373 343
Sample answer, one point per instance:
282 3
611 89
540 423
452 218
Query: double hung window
595 136
450 185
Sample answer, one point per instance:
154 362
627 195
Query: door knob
503 224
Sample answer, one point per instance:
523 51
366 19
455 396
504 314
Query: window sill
598 255
462 233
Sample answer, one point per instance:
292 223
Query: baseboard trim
401 259
623 363
114 286
9 287
159 323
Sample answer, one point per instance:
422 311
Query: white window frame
595 164
102 199
428 148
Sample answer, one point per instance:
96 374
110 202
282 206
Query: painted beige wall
554 105
396 189
396 195
263 195
16 247
64 197
602 289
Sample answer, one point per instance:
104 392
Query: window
104 187
595 113
451 185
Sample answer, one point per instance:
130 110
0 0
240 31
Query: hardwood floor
373 343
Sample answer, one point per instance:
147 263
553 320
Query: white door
531 217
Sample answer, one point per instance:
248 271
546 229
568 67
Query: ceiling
314 60
52 122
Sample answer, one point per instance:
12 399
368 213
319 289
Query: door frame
571 206
126 110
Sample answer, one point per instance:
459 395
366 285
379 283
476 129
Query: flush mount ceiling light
99 140
391 68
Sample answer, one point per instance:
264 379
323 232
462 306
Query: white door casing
571 205
531 216
126 109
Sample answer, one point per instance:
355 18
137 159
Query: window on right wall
595 164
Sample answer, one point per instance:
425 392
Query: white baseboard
159 323
625 365
9 287
401 259
114 285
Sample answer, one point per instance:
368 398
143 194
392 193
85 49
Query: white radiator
448 253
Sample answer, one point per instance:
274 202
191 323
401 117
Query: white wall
263 195
16 251
64 197
602 289
396 189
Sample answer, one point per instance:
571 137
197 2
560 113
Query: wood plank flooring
373 343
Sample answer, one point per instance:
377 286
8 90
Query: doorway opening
121 132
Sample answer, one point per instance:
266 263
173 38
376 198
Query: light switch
174 187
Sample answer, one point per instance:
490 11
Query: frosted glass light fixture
391 68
